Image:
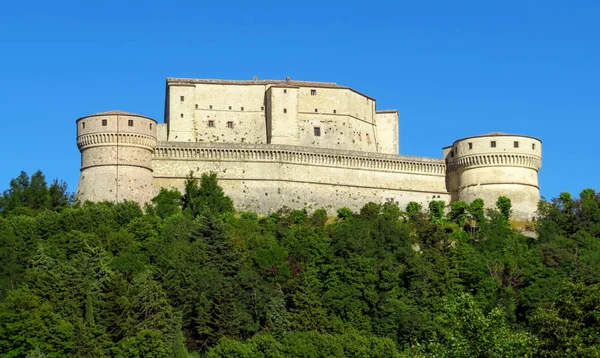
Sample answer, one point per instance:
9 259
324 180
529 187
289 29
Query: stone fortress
293 143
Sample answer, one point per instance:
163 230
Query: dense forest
189 277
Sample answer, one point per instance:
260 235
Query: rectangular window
242 108
150 125
104 122
211 123
181 115
210 107
285 110
229 107
470 145
262 108
230 124
334 111
130 122
516 144
196 105
493 144
533 146
316 110
313 92
284 91
82 125
317 131
181 98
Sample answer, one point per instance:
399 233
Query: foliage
504 206
187 277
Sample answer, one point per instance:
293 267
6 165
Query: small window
196 105
317 131
130 122
181 98
452 154
211 123
210 107
284 91
229 107
150 125
316 110
313 92
285 110
533 146
82 125
242 108
470 145
516 144
181 115
493 144
334 111
104 122
262 108
230 124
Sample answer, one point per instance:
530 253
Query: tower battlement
293 143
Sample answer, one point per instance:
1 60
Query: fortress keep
294 143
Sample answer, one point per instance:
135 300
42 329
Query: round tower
497 164
116 157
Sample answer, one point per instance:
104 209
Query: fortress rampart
297 144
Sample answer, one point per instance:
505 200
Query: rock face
293 143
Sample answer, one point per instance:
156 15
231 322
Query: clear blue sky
452 69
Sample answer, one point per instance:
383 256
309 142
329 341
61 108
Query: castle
293 143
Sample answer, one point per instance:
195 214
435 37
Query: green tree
504 206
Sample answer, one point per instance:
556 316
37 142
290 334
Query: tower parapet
116 156
493 165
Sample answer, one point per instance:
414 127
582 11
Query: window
284 91
316 110
211 123
516 144
313 92
285 110
470 145
104 122
130 122
242 108
533 146
181 98
262 108
317 131
229 107
230 124
493 144
150 125
82 125
210 107
452 154
196 105
181 115
334 111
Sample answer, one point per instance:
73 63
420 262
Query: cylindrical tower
116 157
497 164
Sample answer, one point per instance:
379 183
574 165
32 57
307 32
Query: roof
115 113
287 83
497 134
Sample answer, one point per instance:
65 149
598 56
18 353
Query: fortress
294 143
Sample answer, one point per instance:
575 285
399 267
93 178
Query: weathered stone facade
293 143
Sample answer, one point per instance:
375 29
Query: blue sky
452 68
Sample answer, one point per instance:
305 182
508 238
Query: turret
493 165
116 157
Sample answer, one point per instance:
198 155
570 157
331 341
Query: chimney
255 79
287 79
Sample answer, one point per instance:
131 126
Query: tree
504 205
436 211
206 196
168 202
413 209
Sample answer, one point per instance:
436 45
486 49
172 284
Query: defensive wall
297 144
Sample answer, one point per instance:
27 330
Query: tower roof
115 113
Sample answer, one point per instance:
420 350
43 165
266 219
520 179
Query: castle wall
265 178
387 131
282 115
193 107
